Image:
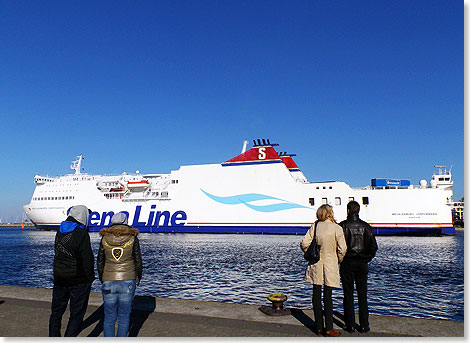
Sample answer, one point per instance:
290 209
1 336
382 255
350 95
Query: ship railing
392 187
371 188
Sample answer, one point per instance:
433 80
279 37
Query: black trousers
355 272
78 296
327 304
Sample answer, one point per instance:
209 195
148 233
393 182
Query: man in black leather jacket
362 246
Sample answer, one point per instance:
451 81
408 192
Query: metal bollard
277 308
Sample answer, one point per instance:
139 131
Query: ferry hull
272 230
414 231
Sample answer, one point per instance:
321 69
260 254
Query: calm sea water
411 276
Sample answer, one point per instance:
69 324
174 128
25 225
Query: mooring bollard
277 308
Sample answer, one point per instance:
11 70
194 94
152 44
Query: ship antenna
440 169
245 143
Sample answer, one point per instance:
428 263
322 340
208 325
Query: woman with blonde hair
325 272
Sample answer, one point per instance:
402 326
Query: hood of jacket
119 233
68 226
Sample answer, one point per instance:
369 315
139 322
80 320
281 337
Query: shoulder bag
312 255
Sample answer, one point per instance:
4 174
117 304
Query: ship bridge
443 179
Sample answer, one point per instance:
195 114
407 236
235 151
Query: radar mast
77 164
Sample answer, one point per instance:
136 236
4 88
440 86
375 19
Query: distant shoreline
16 224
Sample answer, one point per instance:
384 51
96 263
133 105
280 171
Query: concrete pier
24 312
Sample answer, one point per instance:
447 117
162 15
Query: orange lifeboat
135 185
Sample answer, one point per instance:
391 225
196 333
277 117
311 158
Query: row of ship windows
109 184
113 195
43 180
69 197
365 200
119 195
324 201
56 185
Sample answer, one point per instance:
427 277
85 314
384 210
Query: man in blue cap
73 272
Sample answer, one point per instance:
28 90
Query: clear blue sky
357 89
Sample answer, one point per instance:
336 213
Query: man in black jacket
73 272
362 246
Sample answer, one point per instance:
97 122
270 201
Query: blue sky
357 89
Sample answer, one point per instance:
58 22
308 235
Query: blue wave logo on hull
246 199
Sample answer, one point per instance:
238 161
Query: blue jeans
117 298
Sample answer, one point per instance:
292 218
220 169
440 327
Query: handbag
312 255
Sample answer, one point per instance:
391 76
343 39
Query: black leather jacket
359 238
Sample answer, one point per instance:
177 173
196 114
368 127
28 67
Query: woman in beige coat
325 272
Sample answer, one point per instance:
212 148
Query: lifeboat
117 189
137 185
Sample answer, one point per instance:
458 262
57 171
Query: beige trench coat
333 248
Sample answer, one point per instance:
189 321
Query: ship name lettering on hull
155 218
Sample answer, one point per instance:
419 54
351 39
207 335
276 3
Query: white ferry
259 191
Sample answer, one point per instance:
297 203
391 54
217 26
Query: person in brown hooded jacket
120 270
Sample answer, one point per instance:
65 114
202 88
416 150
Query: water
420 277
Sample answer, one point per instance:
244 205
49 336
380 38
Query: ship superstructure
258 191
